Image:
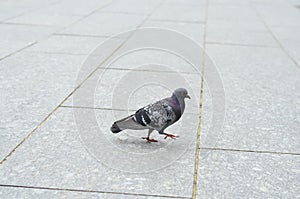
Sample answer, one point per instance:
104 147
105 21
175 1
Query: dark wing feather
157 116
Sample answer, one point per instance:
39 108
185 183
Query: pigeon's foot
170 136
149 140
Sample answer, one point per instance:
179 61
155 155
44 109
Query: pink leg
149 140
170 136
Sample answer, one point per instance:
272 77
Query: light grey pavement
48 136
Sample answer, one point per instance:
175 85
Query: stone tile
7 12
187 2
52 155
236 24
262 93
105 24
132 6
28 4
281 14
12 192
231 12
293 49
230 2
32 85
192 30
67 44
288 37
239 32
183 13
68 7
9 47
286 33
141 57
11 32
16 37
251 175
35 18
131 90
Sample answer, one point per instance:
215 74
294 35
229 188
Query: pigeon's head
181 93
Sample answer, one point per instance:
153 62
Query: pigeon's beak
187 96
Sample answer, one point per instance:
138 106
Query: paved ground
56 144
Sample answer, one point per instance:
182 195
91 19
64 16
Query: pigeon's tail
115 128
126 123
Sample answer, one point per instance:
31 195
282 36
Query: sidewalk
55 140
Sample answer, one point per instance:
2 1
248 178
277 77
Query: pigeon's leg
169 135
148 137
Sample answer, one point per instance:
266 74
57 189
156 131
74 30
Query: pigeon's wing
156 116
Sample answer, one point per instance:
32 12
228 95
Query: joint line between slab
249 151
88 191
195 176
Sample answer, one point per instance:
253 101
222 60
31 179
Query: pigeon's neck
179 103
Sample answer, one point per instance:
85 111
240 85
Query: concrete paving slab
239 32
224 174
17 37
231 12
13 32
261 98
44 19
280 14
73 154
29 4
194 31
187 2
28 93
26 192
131 90
68 44
7 12
111 24
183 13
76 8
55 157
132 6
288 38
230 2
224 25
141 57
9 47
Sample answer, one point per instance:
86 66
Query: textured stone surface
7 12
230 12
189 13
16 37
55 157
192 30
251 153
30 90
262 96
74 8
44 19
287 36
239 32
12 192
132 6
67 45
250 175
278 14
134 89
108 21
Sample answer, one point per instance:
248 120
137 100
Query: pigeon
156 116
